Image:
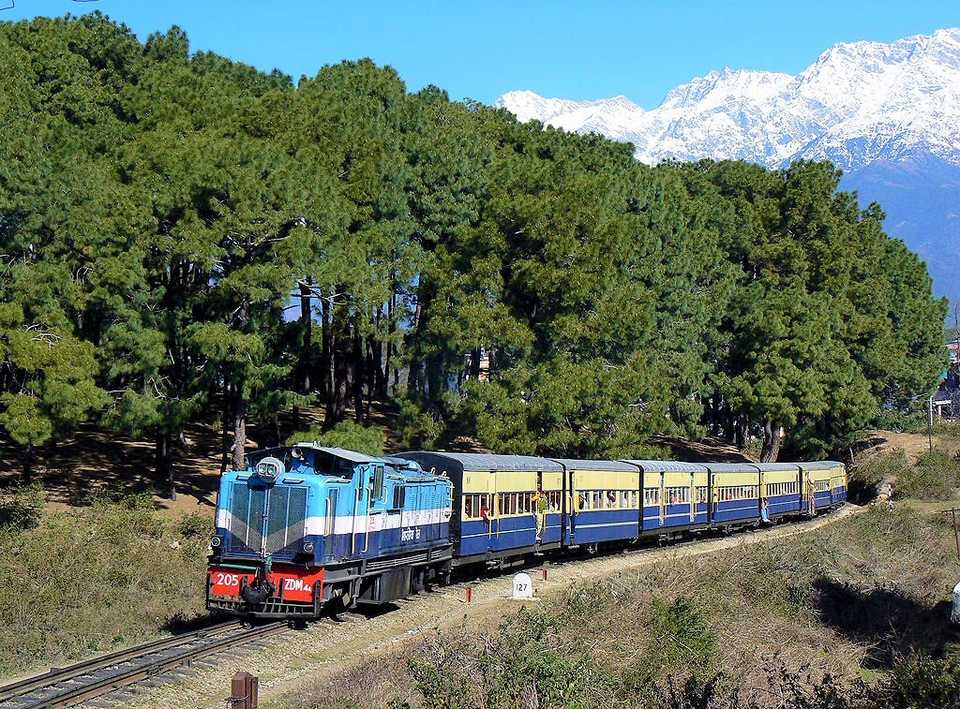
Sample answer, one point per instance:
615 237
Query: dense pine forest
185 238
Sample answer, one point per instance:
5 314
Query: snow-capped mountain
887 114
857 103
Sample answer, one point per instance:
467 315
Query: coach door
376 512
574 505
361 501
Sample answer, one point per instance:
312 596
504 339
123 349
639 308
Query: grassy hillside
83 581
854 615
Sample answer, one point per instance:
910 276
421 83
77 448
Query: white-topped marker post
522 587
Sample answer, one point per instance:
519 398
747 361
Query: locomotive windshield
303 460
292 457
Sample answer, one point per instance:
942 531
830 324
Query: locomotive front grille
266 520
287 510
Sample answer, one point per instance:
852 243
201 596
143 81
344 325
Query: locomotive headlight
308 547
216 542
269 469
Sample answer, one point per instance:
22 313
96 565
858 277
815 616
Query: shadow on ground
891 623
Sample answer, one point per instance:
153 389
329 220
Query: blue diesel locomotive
307 527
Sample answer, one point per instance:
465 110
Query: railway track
84 681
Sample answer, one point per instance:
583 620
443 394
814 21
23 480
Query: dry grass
84 581
791 616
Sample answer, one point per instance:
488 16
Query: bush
867 474
22 508
920 681
416 428
946 429
346 434
683 641
195 526
935 477
898 420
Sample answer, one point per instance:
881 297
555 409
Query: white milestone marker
522 586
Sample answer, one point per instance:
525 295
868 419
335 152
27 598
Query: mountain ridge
876 110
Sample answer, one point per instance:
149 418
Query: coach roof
668 466
821 465
611 465
733 467
489 461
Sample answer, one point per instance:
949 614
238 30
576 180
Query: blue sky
482 49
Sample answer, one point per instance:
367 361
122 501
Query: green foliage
195 526
542 291
346 434
922 681
682 640
21 508
936 476
900 420
416 428
521 665
865 477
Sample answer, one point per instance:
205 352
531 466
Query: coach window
468 506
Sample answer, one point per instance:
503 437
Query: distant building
954 349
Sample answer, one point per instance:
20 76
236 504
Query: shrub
934 477
946 429
867 474
898 420
346 434
195 526
417 428
683 641
22 508
920 681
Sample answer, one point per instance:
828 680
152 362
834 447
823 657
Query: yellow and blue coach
509 505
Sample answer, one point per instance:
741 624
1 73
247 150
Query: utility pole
930 423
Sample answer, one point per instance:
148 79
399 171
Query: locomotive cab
305 526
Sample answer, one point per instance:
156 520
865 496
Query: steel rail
19 694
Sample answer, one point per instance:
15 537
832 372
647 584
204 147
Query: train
309 529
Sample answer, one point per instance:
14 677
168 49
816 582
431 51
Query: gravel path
325 646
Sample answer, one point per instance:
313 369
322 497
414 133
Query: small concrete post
243 691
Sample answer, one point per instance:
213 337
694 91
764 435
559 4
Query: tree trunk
225 429
358 375
386 371
413 373
772 436
306 343
324 379
340 347
475 356
239 429
28 464
164 465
